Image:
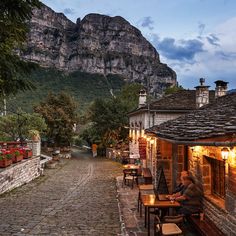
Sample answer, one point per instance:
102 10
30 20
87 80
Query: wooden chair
166 229
179 220
130 176
144 189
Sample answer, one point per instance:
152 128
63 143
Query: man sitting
190 198
180 186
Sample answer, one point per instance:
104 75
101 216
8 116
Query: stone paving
133 224
77 198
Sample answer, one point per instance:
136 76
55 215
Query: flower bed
13 155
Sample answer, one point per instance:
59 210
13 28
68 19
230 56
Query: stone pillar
221 88
142 98
36 147
202 94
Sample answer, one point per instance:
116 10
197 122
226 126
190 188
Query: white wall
155 119
163 117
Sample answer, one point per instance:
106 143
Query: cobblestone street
77 198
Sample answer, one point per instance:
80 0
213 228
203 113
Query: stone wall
220 217
19 174
222 212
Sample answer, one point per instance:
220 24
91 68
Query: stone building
166 108
204 142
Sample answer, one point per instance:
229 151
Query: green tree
59 112
108 117
14 18
173 89
130 95
18 125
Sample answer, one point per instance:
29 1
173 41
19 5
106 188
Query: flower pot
17 158
5 162
29 154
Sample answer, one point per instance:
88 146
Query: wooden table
144 188
151 201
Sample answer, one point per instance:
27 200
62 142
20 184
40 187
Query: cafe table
151 201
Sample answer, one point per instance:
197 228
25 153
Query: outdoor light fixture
233 152
138 133
142 133
225 153
148 139
152 141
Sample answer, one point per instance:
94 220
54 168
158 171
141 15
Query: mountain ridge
96 44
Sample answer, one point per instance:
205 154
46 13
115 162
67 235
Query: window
218 177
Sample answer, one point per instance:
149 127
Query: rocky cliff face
96 44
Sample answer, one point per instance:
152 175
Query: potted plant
5 159
34 135
28 152
17 156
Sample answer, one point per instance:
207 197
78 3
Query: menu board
161 185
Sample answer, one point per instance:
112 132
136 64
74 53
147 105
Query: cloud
210 55
146 22
69 11
226 56
201 28
213 40
181 50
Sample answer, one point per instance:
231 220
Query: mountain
96 44
232 91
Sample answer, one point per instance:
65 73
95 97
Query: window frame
218 180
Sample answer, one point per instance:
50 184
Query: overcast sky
197 38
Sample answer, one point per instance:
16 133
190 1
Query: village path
78 198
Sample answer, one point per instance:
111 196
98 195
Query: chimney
142 98
202 94
221 88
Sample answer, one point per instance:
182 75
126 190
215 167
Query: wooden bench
147 175
204 227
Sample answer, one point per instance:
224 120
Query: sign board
161 185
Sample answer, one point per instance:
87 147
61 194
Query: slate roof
212 120
183 100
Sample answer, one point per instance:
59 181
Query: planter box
5 162
28 154
17 158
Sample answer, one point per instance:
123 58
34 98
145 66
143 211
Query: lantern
225 153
